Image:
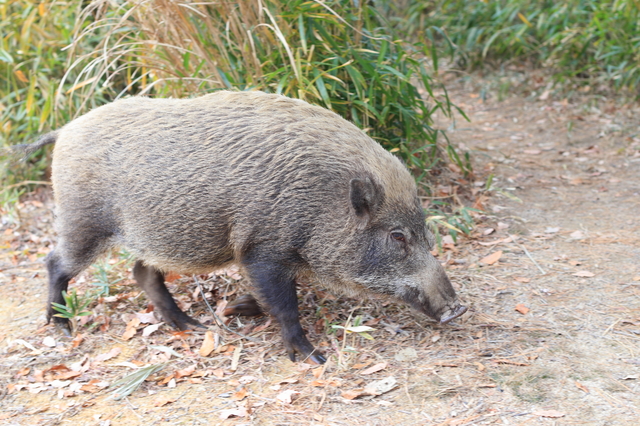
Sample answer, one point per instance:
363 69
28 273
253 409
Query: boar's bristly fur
284 189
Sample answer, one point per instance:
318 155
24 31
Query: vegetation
33 60
582 41
73 307
339 54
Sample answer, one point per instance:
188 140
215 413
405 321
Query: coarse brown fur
281 187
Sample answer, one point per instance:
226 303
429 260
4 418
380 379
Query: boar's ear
365 197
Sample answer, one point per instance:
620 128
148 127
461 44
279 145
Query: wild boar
284 189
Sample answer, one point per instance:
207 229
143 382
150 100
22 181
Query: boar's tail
26 149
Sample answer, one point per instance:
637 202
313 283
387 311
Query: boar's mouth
452 314
443 314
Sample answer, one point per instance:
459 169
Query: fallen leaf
240 395
523 279
522 309
66 375
77 340
286 396
114 352
151 329
234 412
381 386
49 341
23 372
164 400
576 181
171 277
317 372
492 258
448 239
480 366
247 379
91 387
584 274
575 263
577 235
582 387
185 372
406 354
637 278
58 384
353 393
236 357
359 329
147 317
374 369
553 414
129 333
208 345
131 328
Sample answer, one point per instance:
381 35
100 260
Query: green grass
33 37
339 54
58 60
581 41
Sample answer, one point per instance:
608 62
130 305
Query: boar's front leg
152 282
277 289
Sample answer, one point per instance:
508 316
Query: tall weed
338 54
33 61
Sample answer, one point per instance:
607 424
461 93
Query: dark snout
452 314
433 293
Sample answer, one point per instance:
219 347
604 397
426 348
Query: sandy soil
552 336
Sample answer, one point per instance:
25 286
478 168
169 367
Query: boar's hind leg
277 290
152 282
74 252
59 277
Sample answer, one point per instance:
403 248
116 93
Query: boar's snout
433 294
452 313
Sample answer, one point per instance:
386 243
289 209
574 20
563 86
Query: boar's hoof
62 324
306 350
245 305
452 314
316 357
179 320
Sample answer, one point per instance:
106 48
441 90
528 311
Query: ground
551 274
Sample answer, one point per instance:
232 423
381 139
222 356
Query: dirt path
553 336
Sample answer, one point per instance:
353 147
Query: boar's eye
397 236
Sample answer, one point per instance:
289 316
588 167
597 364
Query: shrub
339 54
580 40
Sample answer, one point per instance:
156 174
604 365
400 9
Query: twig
513 237
27 182
611 326
218 319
